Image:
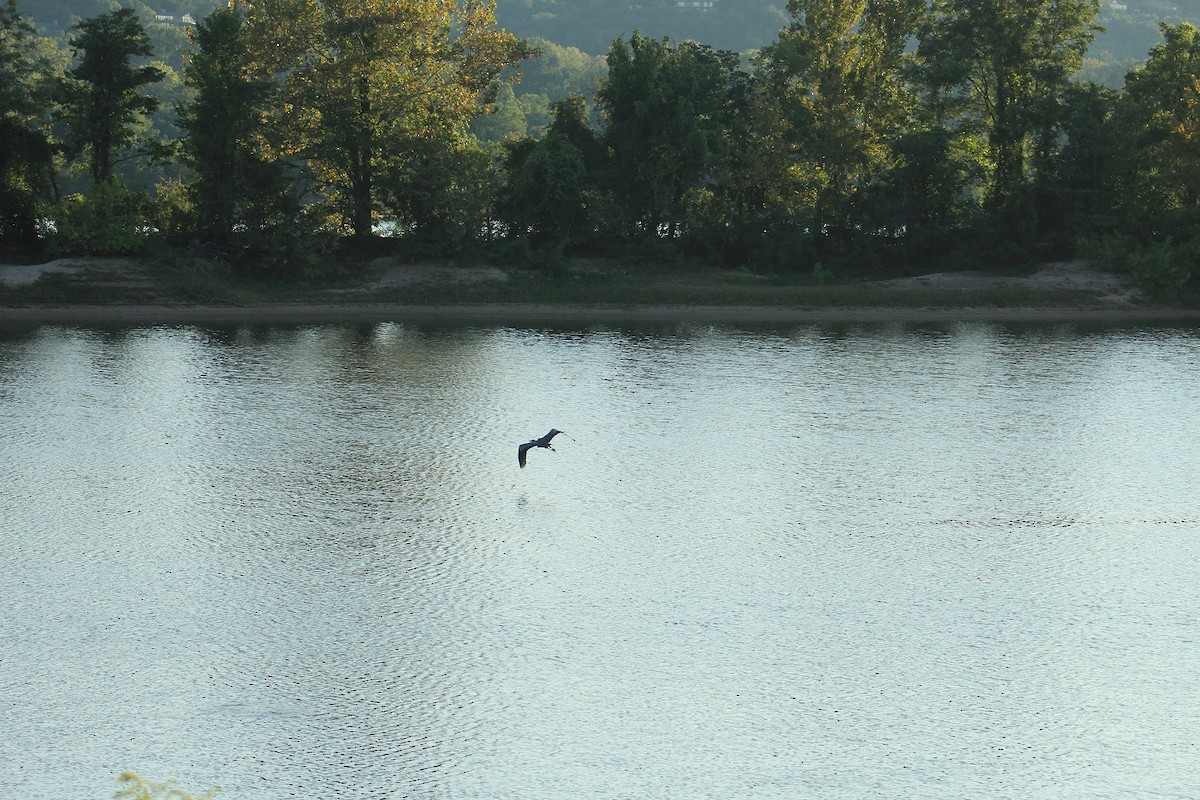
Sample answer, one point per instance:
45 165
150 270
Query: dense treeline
872 135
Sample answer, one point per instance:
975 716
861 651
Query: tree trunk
1007 151
361 157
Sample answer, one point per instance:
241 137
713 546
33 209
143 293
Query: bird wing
521 451
545 440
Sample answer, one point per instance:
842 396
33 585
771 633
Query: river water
814 562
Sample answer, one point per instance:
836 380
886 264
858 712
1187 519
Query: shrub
110 221
1162 268
174 211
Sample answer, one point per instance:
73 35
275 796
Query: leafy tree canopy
101 97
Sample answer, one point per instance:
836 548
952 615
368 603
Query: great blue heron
542 442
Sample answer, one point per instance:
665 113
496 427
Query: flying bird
542 442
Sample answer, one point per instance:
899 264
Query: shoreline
122 292
500 313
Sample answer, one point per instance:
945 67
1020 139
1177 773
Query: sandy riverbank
136 295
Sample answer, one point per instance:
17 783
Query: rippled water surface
887 562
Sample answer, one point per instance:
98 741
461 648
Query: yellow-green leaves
362 79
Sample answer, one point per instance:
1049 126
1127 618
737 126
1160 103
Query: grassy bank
188 282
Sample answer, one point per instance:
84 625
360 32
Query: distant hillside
55 15
591 25
740 25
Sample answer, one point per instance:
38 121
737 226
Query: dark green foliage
1157 185
17 93
1160 116
666 122
545 196
292 244
570 121
592 24
25 174
1076 168
551 184
442 195
923 189
101 99
1165 269
236 189
26 157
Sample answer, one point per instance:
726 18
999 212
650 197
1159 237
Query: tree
666 120
100 99
1007 63
504 121
235 185
551 183
1158 191
1076 167
836 72
442 192
558 72
1159 115
363 80
26 159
